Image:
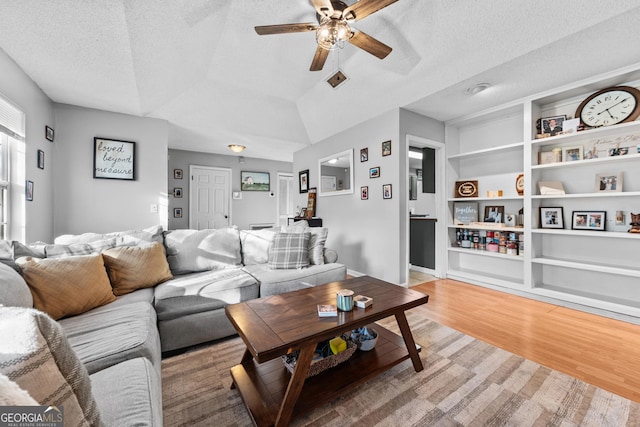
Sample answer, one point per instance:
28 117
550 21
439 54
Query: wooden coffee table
272 325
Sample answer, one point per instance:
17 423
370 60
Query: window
12 131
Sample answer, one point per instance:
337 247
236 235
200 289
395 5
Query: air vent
337 79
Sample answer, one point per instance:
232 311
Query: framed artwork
386 191
552 125
466 189
48 133
493 214
114 159
256 181
177 174
588 220
177 212
386 148
177 192
571 154
465 213
374 172
509 220
303 180
302 213
419 174
29 191
608 182
364 154
551 217
40 159
364 193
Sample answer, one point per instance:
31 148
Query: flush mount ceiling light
473 90
236 148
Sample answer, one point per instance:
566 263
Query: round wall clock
610 106
520 184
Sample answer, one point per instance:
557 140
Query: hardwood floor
598 350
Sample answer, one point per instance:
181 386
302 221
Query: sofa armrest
330 256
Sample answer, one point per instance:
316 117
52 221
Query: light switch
153 208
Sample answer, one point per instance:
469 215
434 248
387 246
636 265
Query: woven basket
318 366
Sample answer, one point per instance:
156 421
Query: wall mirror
336 174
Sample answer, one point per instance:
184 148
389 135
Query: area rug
466 382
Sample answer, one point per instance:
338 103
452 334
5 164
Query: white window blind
11 119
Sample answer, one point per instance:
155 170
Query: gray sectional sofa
118 345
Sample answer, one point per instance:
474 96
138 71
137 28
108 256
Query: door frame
441 204
192 188
279 194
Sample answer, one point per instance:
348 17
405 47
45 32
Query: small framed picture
551 217
571 154
618 151
302 213
509 220
607 182
619 217
303 180
177 174
177 212
494 214
386 191
48 133
364 154
177 192
552 125
386 148
374 172
29 191
40 159
588 220
546 157
364 193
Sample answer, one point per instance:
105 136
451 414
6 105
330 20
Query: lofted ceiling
200 65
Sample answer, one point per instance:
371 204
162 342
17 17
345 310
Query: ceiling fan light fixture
333 33
236 148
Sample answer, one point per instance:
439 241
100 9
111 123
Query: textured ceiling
200 65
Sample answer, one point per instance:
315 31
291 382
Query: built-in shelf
588 195
488 227
589 266
490 279
620 129
488 151
586 233
588 162
484 199
486 253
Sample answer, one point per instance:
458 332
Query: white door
328 183
209 197
285 198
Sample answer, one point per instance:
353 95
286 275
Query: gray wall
31 221
83 203
255 207
370 235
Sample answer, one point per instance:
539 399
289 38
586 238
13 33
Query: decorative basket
321 365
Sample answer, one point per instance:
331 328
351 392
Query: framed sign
113 159
466 189
465 213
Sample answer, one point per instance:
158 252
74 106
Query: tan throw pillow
66 286
136 267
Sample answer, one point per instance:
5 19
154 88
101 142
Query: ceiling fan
333 29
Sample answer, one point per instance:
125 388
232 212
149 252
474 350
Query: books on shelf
362 301
327 310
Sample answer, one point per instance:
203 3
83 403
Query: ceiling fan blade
323 7
319 59
285 28
363 8
371 45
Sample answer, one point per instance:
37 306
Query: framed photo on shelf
552 125
303 180
386 148
374 172
364 154
465 213
607 182
386 191
588 220
494 214
364 193
551 217
255 181
571 154
509 220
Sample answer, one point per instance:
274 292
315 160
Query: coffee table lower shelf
262 386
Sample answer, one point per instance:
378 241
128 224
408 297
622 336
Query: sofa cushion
106 336
67 286
136 267
35 354
34 250
289 250
129 237
204 291
317 240
12 394
191 251
279 281
255 245
13 289
58 251
129 394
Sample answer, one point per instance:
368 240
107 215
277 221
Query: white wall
83 203
31 221
255 207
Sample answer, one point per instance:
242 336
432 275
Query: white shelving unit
599 269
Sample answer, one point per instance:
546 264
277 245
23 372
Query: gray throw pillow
289 250
316 244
